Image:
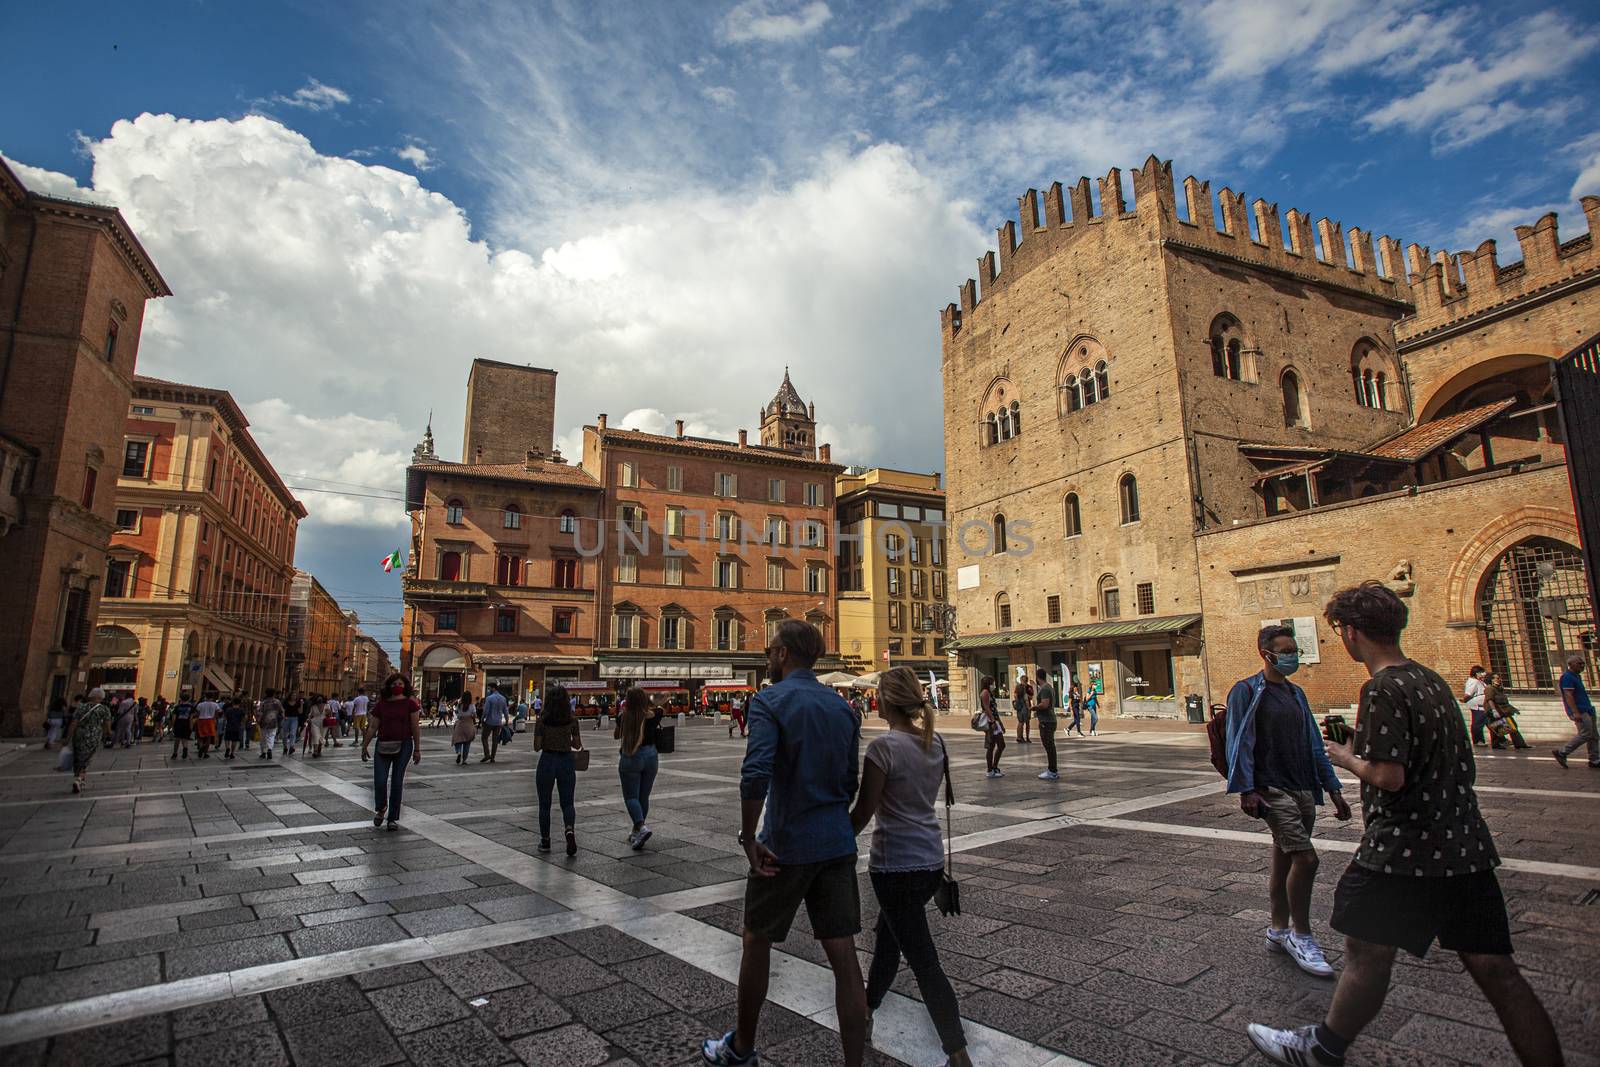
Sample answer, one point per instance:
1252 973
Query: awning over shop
1169 624
218 679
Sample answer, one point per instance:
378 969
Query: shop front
444 674
1140 668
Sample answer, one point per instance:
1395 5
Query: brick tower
789 423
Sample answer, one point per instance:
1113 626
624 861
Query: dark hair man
1279 767
801 762
1575 700
1425 865
1044 697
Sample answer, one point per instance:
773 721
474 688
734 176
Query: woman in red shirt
397 720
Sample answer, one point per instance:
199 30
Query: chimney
601 420
744 439
938 481
825 453
678 424
533 459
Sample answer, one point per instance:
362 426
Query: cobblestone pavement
215 912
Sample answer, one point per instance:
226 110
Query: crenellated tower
789 423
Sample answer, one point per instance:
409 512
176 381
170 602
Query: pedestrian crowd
1423 872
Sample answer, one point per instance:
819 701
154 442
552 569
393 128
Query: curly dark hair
1372 608
389 681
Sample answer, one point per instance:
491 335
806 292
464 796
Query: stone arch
1490 543
1232 351
1081 370
1479 368
994 413
1292 389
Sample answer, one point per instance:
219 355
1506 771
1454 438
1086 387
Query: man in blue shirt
801 762
1279 767
494 716
1580 709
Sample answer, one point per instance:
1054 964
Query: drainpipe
16 306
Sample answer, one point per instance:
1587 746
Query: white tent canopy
836 678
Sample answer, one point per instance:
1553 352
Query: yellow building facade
892 575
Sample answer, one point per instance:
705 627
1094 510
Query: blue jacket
494 709
802 759
1242 704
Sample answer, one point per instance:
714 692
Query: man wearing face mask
1279 767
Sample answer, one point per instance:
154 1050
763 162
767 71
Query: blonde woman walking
637 761
899 787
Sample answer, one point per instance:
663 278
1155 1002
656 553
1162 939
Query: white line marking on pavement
181 844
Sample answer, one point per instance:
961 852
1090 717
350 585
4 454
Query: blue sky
670 202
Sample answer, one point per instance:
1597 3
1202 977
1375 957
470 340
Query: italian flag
391 561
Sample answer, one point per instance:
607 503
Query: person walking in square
1091 704
493 717
1279 767
638 725
1499 715
1424 869
269 714
397 723
900 781
465 729
1022 704
183 718
556 736
290 731
233 727
1075 705
85 734
1044 708
1473 692
801 766
994 731
1579 706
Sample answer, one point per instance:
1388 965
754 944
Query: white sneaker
1277 940
991 774
1048 776
1297 1048
638 839
1305 952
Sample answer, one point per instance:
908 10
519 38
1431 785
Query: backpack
1217 738
977 722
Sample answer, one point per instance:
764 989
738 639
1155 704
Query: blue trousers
555 769
638 774
389 779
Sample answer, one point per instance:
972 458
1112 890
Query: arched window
1128 491
1102 378
1084 375
1016 419
1382 392
1228 356
513 517
1071 519
991 429
1074 394
568 522
455 513
1371 371
450 567
1002 612
1086 379
999 547
999 410
1110 598
1293 409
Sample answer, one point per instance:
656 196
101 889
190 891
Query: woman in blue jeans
396 719
900 781
556 736
637 760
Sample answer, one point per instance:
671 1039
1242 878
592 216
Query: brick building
891 565
1139 398
73 282
711 544
199 570
657 558
321 656
371 661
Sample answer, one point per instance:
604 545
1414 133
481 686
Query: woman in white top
900 786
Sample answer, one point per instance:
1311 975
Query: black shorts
1467 913
828 890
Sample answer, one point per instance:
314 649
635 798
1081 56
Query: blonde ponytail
900 689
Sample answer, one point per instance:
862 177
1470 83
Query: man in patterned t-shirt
1425 865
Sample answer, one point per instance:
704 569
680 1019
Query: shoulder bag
580 759
947 898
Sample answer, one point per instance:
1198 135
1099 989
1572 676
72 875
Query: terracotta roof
1421 440
544 474
754 453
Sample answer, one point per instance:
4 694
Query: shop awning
218 679
1169 624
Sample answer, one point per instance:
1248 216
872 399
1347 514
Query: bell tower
789 423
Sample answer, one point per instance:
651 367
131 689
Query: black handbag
947 898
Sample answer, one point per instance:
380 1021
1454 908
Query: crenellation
1197 197
1591 212
1082 206
1054 208
1028 209
1269 232
1479 268
986 273
1331 236
1449 274
1234 223
1416 261
1006 241
1112 203
969 297
1360 251
1300 240
1541 243
1391 260
1153 195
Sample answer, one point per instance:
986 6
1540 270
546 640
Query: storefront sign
623 670
1097 680
711 670
670 670
967 577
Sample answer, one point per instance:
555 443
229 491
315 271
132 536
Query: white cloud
721 95
766 20
1588 180
53 183
842 52
340 301
416 155
314 96
1248 38
1474 90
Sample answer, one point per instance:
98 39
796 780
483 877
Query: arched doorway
443 673
1533 605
